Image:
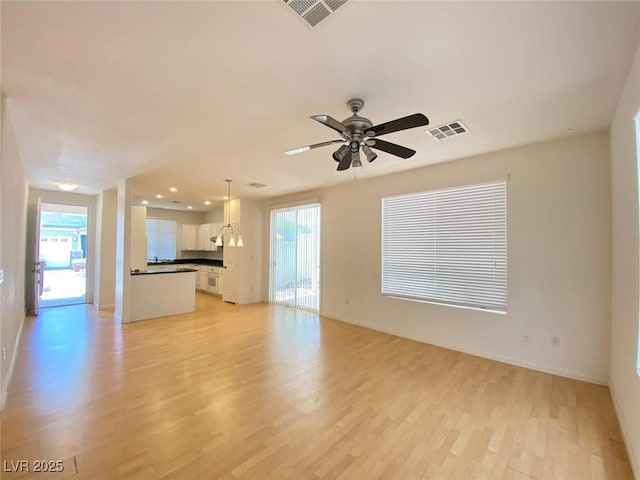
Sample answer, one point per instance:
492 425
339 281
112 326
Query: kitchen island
158 293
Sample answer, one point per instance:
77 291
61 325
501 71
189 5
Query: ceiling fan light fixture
360 133
370 154
342 152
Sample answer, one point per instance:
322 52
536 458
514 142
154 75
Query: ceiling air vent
448 130
256 185
314 11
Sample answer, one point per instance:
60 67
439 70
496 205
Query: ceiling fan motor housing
359 132
356 125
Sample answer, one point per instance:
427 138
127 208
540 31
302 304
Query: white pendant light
233 230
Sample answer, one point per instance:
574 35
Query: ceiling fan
360 133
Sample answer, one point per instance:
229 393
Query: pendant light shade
235 238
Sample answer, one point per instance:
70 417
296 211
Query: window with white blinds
161 239
447 246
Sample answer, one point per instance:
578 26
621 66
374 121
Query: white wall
13 219
558 257
105 276
625 382
215 216
122 312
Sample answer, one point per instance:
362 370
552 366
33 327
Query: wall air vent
256 185
448 130
312 12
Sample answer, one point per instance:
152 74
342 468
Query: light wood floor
265 392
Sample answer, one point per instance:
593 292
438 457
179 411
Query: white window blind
447 246
161 239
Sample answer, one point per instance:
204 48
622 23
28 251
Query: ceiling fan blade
330 122
306 148
345 163
392 148
412 121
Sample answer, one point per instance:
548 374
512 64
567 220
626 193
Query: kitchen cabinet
162 293
230 283
205 232
189 237
197 269
241 282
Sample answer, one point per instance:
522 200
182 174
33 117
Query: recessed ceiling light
66 186
189 207
144 202
173 189
207 202
158 196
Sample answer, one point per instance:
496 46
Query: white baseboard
107 308
5 384
635 462
479 353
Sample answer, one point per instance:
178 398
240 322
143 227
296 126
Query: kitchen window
161 239
447 246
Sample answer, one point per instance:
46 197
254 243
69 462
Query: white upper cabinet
189 237
207 231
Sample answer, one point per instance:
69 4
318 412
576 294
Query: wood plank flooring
267 392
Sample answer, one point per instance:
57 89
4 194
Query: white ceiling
187 94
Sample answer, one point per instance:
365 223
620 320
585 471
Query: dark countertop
166 270
190 261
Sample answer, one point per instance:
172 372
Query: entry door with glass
295 257
63 254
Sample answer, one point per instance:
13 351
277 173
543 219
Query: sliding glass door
295 257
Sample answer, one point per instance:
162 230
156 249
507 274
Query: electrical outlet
526 338
555 341
4 353
346 302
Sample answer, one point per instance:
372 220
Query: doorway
62 254
295 257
